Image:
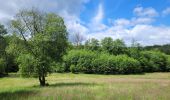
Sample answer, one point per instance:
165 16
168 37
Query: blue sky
115 9
146 21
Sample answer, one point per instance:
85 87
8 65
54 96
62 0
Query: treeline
107 56
162 48
110 56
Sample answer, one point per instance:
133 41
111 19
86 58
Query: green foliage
3 45
47 41
127 65
89 62
107 44
152 61
135 50
27 65
92 44
2 66
14 48
116 47
163 48
74 69
81 59
58 67
168 64
103 64
121 64
119 47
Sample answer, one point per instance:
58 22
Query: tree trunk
42 80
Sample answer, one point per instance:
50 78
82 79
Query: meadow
68 86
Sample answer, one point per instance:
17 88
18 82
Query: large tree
45 39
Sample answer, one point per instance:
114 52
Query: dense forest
37 44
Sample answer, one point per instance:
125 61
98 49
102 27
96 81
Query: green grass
152 86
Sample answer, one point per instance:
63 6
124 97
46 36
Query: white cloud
62 7
100 14
96 23
144 34
149 34
122 22
139 28
166 11
68 9
145 12
143 20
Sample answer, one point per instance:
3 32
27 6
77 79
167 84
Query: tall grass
154 86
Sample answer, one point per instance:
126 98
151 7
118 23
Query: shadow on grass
17 95
71 84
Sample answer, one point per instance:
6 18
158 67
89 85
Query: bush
74 69
168 64
153 61
121 64
89 62
58 67
81 59
101 64
127 65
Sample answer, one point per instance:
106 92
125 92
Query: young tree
134 50
78 39
45 39
92 44
107 44
119 47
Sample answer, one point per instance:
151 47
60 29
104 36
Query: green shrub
121 64
74 69
153 61
168 64
103 63
127 65
81 59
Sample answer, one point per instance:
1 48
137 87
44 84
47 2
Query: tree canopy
45 40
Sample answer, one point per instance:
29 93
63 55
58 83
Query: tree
3 44
45 39
15 47
107 44
78 39
92 44
118 47
134 50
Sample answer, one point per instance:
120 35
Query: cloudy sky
146 21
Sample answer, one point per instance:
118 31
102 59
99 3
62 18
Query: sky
146 21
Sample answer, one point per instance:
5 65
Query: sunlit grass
152 86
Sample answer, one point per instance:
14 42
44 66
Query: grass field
152 86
